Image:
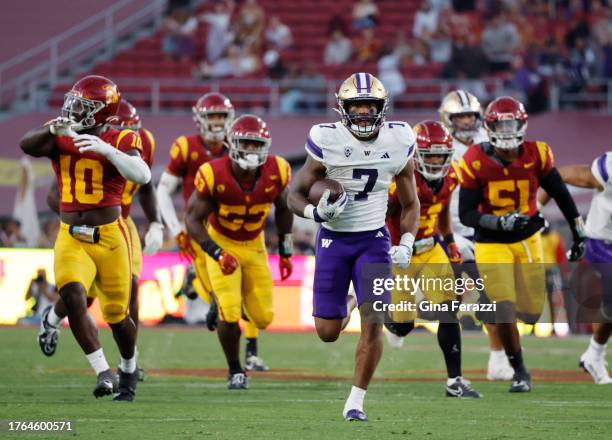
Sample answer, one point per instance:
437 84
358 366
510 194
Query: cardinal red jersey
506 186
432 203
187 154
89 180
148 152
239 214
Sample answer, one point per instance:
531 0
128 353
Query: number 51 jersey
364 168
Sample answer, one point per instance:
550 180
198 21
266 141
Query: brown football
317 189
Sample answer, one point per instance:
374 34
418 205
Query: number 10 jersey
89 180
364 168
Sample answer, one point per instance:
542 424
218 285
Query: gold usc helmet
362 87
460 102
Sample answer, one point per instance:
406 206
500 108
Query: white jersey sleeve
599 218
364 168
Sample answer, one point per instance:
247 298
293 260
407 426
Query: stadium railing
21 76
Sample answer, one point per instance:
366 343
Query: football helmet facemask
92 101
459 103
249 141
433 139
506 123
362 88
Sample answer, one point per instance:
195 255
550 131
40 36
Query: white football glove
402 253
325 211
61 127
154 239
87 142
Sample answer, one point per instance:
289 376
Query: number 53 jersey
364 168
89 180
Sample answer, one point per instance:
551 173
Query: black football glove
576 252
512 221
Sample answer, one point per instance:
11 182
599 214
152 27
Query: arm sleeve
407 138
469 200
168 184
553 184
133 168
147 137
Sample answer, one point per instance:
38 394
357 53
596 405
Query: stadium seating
308 24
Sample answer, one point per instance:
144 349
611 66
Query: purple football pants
342 257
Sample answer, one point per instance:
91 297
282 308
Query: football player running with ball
436 179
363 153
499 181
213 114
226 215
92 164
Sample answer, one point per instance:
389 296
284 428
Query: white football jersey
364 168
459 150
599 219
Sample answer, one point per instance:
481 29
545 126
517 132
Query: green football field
185 395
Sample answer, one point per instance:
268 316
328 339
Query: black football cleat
521 382
462 389
238 381
106 384
127 386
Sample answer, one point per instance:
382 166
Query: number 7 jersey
88 181
364 168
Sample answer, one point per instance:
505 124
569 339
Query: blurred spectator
389 72
338 20
440 46
528 80
249 25
425 21
49 233
365 14
578 66
237 62
303 242
10 234
278 34
218 36
179 29
367 46
438 5
467 59
42 292
500 39
304 92
338 49
464 5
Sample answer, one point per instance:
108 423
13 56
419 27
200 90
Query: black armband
489 221
553 184
285 245
469 200
449 238
211 248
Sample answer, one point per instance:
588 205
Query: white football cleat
597 367
394 340
255 363
499 368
